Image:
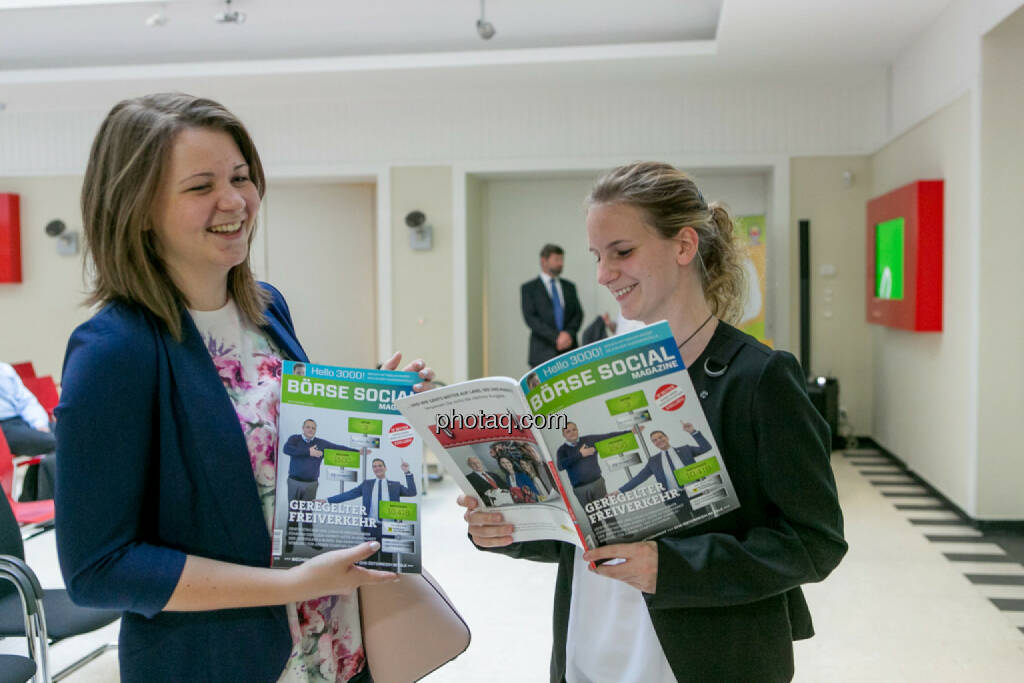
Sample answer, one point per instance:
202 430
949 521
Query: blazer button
703 394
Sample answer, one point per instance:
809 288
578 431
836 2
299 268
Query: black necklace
706 321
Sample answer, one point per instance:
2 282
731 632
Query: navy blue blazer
154 467
395 489
654 466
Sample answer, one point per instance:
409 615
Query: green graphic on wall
889 259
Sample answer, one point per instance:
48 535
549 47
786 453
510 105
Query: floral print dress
328 644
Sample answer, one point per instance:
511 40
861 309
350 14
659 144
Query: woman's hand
336 572
640 569
417 366
487 529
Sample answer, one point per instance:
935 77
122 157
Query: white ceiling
414 43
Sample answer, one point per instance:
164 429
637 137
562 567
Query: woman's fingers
392 363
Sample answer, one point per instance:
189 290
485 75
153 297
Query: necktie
672 470
490 481
556 303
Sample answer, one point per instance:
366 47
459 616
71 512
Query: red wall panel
10 238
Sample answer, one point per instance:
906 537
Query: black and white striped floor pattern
992 561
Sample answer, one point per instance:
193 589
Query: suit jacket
302 464
736 579
539 314
482 485
657 468
395 490
153 467
582 469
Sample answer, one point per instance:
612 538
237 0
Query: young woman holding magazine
167 423
720 601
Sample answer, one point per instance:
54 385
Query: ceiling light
156 20
484 27
229 16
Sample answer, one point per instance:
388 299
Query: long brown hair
671 201
122 179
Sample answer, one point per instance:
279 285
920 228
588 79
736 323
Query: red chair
44 390
35 512
24 370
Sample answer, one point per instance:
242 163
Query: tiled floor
921 597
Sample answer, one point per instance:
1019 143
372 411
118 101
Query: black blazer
734 581
540 318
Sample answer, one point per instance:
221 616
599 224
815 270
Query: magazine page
637 457
348 466
484 435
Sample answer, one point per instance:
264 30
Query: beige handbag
410 628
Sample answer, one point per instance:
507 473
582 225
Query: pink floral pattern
326 631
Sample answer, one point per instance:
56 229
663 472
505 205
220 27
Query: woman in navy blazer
721 601
157 508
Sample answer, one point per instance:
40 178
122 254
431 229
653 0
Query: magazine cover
608 442
348 466
636 458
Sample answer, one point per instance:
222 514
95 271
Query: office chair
34 512
43 616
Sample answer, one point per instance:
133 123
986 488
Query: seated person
26 427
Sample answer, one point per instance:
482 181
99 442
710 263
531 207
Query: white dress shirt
17 401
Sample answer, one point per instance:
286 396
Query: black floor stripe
938 522
871 465
903 494
978 557
997 579
952 538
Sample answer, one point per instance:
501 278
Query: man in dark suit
307 454
667 460
376 490
484 481
551 308
577 457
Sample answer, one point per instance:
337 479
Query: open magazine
605 444
347 466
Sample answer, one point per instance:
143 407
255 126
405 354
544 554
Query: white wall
422 280
38 315
320 253
323 127
521 214
942 63
1001 280
840 337
925 383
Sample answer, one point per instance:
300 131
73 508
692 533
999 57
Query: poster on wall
750 231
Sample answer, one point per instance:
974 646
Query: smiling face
475 464
309 429
660 441
379 469
571 432
506 465
647 274
204 210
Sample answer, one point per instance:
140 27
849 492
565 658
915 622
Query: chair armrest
24 579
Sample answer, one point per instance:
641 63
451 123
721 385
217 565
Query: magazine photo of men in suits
378 488
551 308
306 455
667 460
483 480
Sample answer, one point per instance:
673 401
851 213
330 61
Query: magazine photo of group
347 467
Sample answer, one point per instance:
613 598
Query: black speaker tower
824 391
